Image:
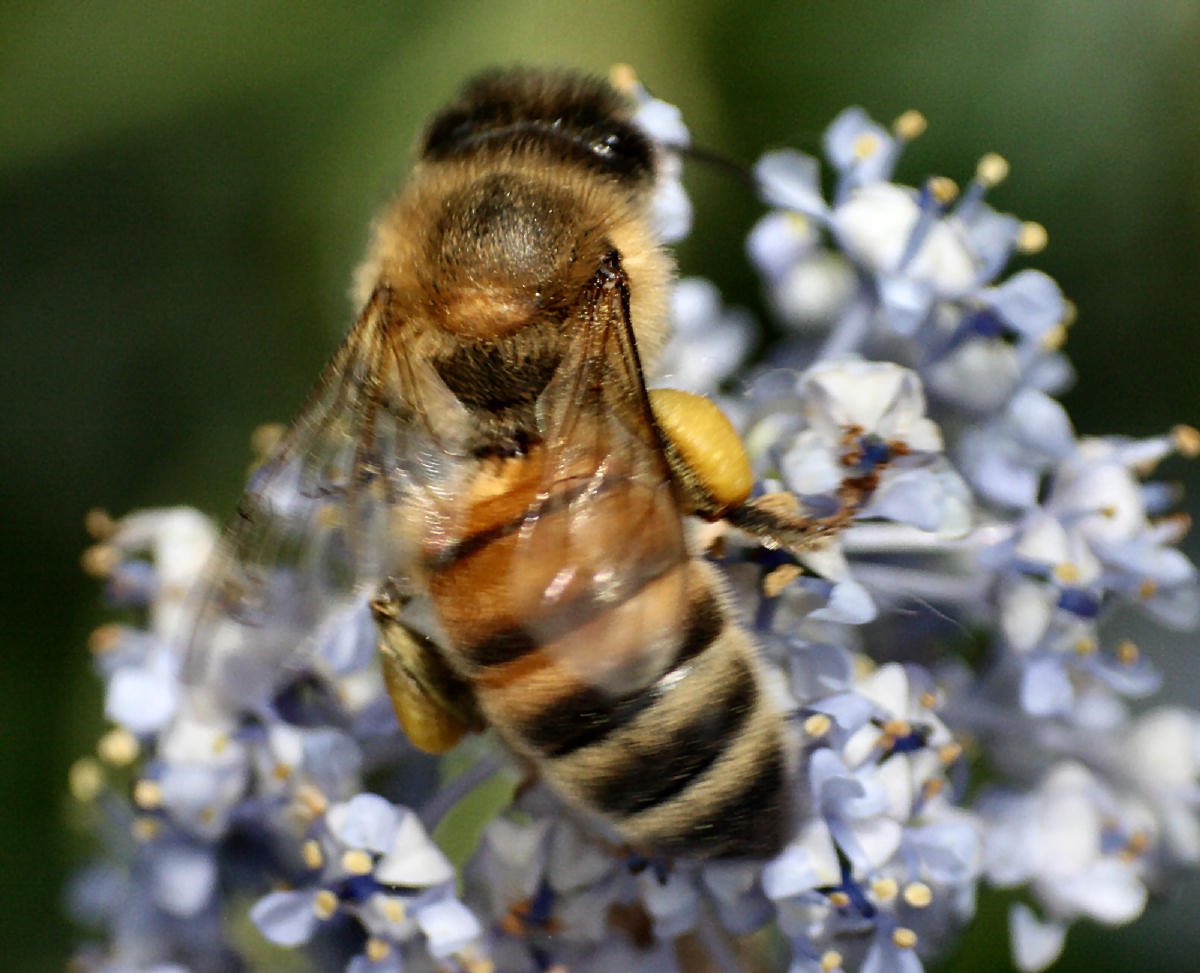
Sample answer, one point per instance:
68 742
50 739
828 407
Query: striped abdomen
600 649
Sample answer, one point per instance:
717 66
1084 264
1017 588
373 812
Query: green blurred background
185 187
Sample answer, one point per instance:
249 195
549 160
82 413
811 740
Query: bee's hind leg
712 474
434 705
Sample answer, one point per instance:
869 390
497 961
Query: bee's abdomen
639 699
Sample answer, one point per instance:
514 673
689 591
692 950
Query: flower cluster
959 710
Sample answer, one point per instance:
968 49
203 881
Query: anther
950 753
85 779
904 938
1085 645
918 895
830 961
99 524
817 725
377 949
1187 440
865 146
104 638
148 794
1148 588
910 124
100 560
839 899
1127 652
118 747
357 862
623 77
325 904
885 889
1032 237
311 852
991 170
943 189
145 829
1066 572
393 909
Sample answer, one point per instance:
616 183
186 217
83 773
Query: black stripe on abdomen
590 715
657 770
752 821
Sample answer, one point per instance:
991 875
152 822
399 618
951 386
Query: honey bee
483 457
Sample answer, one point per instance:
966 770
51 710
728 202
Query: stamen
118 747
99 524
1066 572
325 904
100 560
943 188
393 909
991 170
1070 312
865 146
909 125
897 728
830 961
950 752
929 700
1032 237
839 899
885 889
311 852
1128 653
1085 646
148 794
104 639
1136 846
904 938
85 779
918 895
1055 338
311 801
817 725
1148 588
145 829
377 949
357 862
623 77
1187 440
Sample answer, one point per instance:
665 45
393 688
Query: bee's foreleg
712 473
434 705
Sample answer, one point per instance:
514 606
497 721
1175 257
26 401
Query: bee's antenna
723 162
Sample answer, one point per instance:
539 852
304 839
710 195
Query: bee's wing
621 532
325 518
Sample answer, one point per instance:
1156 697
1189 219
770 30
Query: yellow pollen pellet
897 728
918 894
1032 237
1127 652
866 146
148 794
1066 572
904 938
780 578
817 725
85 779
325 904
991 170
910 124
950 753
1187 440
99 560
118 747
377 949
1148 588
839 899
1085 645
707 443
830 961
104 638
311 852
885 889
943 188
393 910
357 862
145 829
